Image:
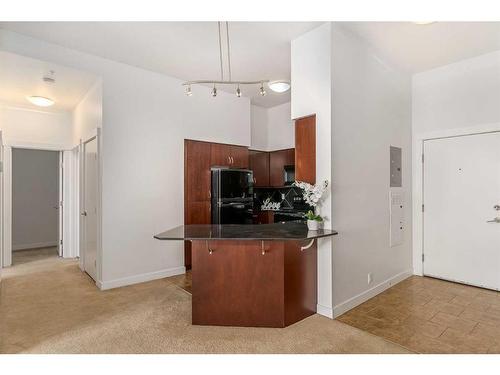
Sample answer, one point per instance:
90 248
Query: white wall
35 192
311 94
459 98
87 116
259 128
26 126
281 129
371 111
145 118
463 94
272 128
362 107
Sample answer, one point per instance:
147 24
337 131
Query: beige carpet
47 305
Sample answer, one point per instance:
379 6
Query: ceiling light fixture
40 101
279 86
424 22
229 80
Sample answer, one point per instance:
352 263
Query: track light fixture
262 91
228 81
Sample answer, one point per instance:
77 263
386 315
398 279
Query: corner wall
272 128
362 107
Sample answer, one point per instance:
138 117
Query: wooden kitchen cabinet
197 170
228 155
259 164
305 149
277 162
239 157
198 213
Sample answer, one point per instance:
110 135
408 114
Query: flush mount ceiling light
228 81
279 86
40 101
424 22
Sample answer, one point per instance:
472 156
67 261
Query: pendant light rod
228 50
226 82
220 55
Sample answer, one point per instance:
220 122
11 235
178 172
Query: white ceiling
259 50
416 48
186 50
21 76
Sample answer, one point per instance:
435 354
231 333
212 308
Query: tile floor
428 315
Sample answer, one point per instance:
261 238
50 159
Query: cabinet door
197 170
259 164
239 156
305 149
290 157
277 162
220 155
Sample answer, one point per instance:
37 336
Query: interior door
1 205
462 209
89 213
60 206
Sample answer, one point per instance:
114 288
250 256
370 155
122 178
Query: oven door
236 213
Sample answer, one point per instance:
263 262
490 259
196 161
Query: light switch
397 226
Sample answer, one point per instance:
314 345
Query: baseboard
35 245
370 293
324 310
136 279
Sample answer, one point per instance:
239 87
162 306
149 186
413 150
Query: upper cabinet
277 162
229 155
259 164
305 149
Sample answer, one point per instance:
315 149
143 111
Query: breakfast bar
251 275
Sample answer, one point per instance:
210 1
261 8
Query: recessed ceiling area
21 77
185 50
415 48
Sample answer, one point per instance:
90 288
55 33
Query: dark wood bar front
253 283
251 275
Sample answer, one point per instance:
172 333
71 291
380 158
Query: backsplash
290 197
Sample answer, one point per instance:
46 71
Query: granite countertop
267 232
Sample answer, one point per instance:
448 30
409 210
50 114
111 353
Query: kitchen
248 252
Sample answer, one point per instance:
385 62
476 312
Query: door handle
496 207
495 220
84 213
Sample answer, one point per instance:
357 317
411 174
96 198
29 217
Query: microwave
289 174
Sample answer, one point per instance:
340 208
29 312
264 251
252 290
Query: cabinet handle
229 159
232 160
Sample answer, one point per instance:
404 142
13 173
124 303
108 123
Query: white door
60 206
1 204
462 209
90 207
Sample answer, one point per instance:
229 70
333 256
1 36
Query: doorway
36 203
461 209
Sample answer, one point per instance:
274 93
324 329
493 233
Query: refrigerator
232 196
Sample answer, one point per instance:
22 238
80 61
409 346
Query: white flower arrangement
312 193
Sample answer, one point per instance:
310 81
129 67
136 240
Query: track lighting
262 91
227 80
